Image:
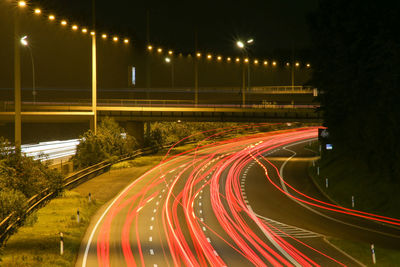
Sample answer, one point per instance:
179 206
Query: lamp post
24 42
169 60
243 46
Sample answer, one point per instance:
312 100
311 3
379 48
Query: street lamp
243 46
170 60
24 42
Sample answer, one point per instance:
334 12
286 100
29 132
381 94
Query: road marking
204 229
151 252
151 227
154 211
199 203
152 218
157 203
215 253
209 240
150 238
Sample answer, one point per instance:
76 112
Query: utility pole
196 71
148 73
17 83
94 69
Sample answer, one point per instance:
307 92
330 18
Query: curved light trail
191 210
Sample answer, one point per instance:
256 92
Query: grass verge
362 252
350 177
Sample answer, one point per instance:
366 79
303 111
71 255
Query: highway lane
217 205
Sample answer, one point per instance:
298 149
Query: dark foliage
357 67
109 143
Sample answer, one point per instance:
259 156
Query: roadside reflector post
61 243
373 254
90 197
326 182
352 201
77 216
318 170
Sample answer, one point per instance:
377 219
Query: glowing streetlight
274 63
84 30
256 62
246 60
38 11
21 3
159 50
228 59
287 64
170 52
167 59
219 58
24 42
198 54
250 41
74 27
115 39
92 33
297 64
126 41
265 63
240 44
170 61
64 23
104 36
149 47
209 56
308 65
52 17
237 59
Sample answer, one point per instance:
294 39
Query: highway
246 201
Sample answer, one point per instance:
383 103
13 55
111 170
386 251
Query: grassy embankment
38 242
350 177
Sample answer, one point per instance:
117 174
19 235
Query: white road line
150 238
151 252
209 240
157 203
154 211
204 229
151 227
152 218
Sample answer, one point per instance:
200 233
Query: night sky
276 26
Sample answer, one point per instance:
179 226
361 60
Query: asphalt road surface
241 202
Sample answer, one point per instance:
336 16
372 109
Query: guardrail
13 220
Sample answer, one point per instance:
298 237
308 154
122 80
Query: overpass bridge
132 113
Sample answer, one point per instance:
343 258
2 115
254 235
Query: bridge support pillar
135 129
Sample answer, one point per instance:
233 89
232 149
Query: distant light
246 60
38 11
22 4
84 30
170 52
74 27
126 41
104 36
219 58
297 64
149 47
240 44
256 62
274 63
329 147
198 54
115 39
167 59
229 59
265 63
250 41
64 22
159 50
92 33
287 64
308 65
24 40
209 56
237 59
52 17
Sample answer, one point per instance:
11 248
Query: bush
109 143
22 177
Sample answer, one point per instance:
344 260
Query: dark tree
357 67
